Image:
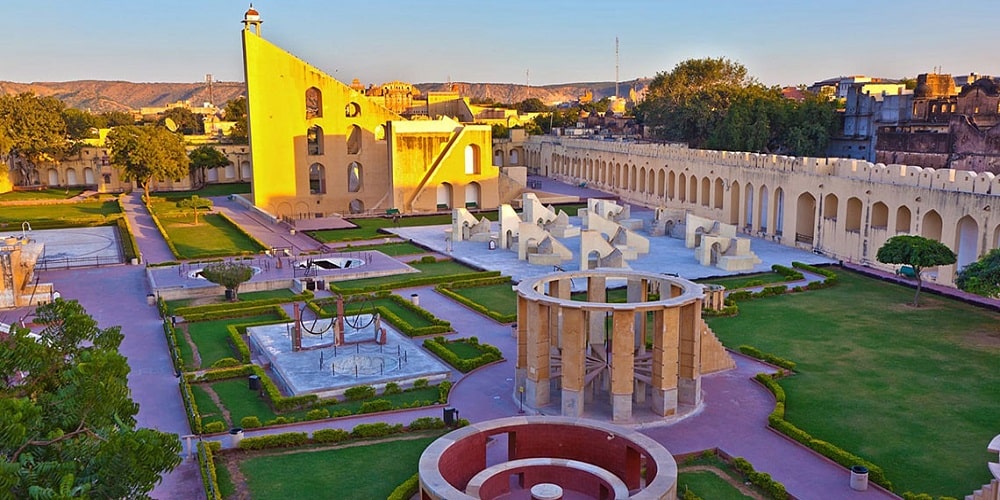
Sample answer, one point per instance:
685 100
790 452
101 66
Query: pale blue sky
785 42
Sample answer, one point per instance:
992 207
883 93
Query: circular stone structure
585 458
648 351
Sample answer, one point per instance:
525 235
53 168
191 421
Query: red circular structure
586 457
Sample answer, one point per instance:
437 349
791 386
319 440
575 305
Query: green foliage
449 290
130 247
330 436
226 363
213 427
236 111
186 121
146 153
917 252
80 124
982 277
420 383
407 489
250 422
428 259
359 392
531 105
376 429
392 388
425 423
31 129
317 414
68 426
444 388
789 273
228 274
195 203
206 463
767 357
285 440
238 309
445 350
500 131
375 406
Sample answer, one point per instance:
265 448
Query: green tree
531 105
500 131
116 119
195 203
80 124
204 157
236 111
67 420
187 122
34 131
917 252
557 118
228 274
146 153
982 277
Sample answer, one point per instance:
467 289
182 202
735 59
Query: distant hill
102 95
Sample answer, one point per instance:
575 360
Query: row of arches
317 178
314 105
446 195
511 157
315 139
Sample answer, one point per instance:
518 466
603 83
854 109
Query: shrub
317 414
279 421
331 436
375 406
206 463
420 383
226 363
439 346
767 357
407 489
359 392
250 422
789 273
376 429
428 259
212 427
285 440
424 423
392 388
444 388
761 480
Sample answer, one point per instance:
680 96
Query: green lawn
212 339
44 194
86 213
207 408
463 349
213 236
353 472
208 190
707 485
744 280
500 298
912 390
404 313
394 249
442 268
284 293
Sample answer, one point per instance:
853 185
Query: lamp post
520 390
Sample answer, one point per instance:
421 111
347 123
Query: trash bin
493 244
151 299
235 436
415 299
320 285
450 416
859 478
229 294
310 285
254 382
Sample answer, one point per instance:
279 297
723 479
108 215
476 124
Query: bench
392 211
906 272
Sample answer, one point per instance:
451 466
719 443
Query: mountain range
103 95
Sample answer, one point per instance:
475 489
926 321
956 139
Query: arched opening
966 241
651 185
314 103
472 191
508 239
71 179
353 140
706 191
748 210
779 211
931 227
720 193
245 170
471 159
212 175
659 183
355 177
880 215
830 206
444 196
356 206
693 190
88 176
593 259
734 203
671 185
763 209
352 110
53 177
805 218
230 171
715 252
314 140
642 180
903 219
498 157
513 157
682 188
854 208
632 179
379 133
317 179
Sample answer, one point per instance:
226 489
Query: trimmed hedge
406 489
761 480
284 440
376 429
226 310
130 247
447 289
206 463
439 346
831 277
250 422
753 352
729 308
777 421
330 436
789 273
426 423
279 402
412 282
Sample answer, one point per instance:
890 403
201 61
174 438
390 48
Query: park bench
906 272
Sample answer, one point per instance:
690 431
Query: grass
744 280
707 484
463 349
213 236
88 213
441 268
393 249
911 389
43 194
209 190
500 298
353 472
404 313
173 305
212 339
207 408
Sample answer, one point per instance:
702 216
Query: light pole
521 391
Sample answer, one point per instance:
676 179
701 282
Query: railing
68 262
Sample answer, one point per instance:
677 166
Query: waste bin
235 436
859 478
320 285
229 294
151 299
493 244
415 299
310 285
450 416
254 382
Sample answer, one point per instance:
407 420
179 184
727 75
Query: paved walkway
273 234
152 247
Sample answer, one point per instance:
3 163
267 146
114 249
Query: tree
80 124
917 252
500 131
204 157
195 203
116 119
982 277
236 111
34 131
147 153
187 122
67 419
531 105
228 274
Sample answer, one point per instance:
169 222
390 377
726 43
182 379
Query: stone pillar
521 365
689 382
597 292
622 369
574 361
637 291
665 346
561 289
537 383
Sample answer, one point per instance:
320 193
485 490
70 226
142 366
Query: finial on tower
251 20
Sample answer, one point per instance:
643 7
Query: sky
539 42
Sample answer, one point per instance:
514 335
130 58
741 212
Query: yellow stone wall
402 162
